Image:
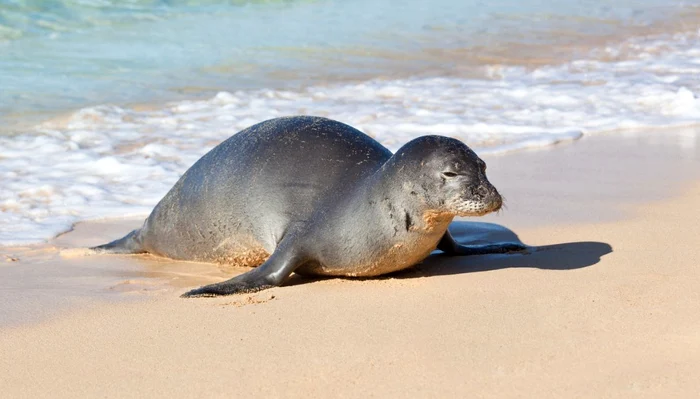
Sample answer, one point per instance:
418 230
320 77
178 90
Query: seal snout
496 203
476 200
490 197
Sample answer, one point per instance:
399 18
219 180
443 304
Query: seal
311 195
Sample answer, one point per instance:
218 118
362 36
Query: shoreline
606 306
97 162
596 180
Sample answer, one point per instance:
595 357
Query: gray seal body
314 196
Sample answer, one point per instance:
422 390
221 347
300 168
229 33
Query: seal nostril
481 191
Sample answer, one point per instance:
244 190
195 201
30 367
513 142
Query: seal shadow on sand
564 256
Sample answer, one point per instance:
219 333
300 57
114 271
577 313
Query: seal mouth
462 207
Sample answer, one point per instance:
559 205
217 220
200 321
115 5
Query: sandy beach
606 304
586 113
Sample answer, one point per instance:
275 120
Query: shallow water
63 55
500 76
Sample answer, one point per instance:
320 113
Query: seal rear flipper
449 246
129 244
280 265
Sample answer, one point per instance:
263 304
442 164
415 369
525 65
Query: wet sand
605 305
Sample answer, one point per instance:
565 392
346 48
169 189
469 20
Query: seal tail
129 244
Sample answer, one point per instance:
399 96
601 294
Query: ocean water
106 103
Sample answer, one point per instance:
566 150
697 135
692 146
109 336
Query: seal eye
449 174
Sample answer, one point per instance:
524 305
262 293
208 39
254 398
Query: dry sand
606 305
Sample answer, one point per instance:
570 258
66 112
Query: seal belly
400 256
192 243
397 257
403 252
240 252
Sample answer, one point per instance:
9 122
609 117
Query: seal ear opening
449 174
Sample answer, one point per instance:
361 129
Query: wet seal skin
310 195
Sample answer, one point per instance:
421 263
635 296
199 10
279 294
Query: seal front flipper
270 274
129 244
449 246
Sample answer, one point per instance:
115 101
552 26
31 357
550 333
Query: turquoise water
64 55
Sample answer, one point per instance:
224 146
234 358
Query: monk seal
311 195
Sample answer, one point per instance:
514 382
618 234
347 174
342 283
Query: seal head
449 176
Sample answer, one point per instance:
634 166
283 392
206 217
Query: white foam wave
107 161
